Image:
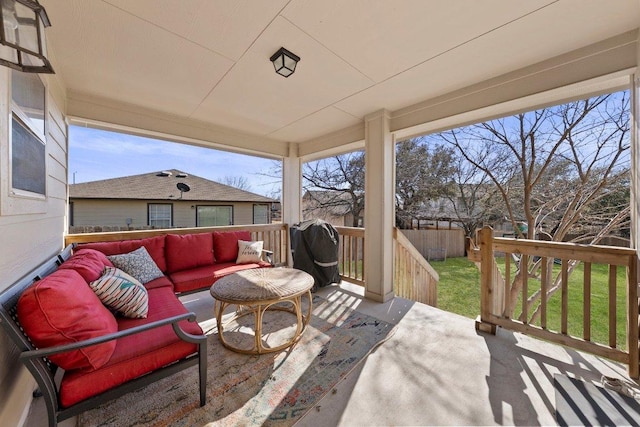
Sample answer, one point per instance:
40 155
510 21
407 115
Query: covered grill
314 246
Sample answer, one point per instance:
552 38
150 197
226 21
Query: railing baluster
586 327
507 285
632 316
569 253
612 306
565 297
524 273
544 284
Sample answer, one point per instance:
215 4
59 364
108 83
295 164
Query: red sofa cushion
225 244
62 309
188 251
204 277
88 262
155 247
136 354
159 283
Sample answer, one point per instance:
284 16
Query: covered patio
370 73
436 370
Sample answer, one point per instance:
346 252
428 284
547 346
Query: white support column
635 157
379 207
291 189
635 153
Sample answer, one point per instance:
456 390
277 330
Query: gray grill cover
314 246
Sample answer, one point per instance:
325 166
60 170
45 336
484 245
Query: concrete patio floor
436 370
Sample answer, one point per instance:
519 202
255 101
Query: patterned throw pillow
122 293
249 252
138 264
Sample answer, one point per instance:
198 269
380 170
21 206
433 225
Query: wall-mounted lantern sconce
22 42
284 62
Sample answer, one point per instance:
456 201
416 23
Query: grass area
459 292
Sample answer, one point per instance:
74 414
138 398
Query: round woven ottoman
257 290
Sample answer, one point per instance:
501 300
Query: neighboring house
330 206
155 200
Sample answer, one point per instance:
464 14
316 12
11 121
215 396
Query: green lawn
459 292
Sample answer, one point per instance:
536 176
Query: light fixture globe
22 41
284 62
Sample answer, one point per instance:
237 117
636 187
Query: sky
97 154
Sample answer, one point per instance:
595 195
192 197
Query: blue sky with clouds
96 154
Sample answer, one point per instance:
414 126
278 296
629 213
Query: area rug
244 390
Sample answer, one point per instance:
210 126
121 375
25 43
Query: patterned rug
243 390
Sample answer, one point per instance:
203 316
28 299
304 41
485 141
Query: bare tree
423 173
554 169
473 198
240 182
337 182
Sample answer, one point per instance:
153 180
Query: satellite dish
184 188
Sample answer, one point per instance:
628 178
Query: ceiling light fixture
22 42
284 62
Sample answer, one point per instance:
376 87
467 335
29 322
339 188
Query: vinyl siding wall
31 230
114 213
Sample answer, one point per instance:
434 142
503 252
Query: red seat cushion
62 309
159 283
136 354
155 247
188 251
88 262
204 277
225 244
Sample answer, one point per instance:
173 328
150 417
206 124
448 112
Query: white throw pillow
249 252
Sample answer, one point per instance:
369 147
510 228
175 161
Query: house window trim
253 216
149 214
14 201
216 206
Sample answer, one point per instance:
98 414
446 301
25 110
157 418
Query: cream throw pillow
122 293
249 252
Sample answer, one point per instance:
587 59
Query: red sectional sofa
190 262
56 318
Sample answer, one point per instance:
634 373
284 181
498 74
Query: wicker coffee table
257 290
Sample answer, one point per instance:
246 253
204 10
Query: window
211 216
160 215
28 154
261 214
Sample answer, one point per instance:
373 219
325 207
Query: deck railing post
632 317
485 241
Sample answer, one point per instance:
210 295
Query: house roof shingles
153 186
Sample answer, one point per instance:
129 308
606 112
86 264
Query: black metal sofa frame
44 371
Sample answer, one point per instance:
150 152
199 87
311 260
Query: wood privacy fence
432 244
496 295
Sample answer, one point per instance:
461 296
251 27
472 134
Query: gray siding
31 230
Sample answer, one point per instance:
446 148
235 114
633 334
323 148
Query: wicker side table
257 290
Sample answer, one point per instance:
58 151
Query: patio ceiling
204 64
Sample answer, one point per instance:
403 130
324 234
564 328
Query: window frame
149 205
268 213
231 216
18 113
